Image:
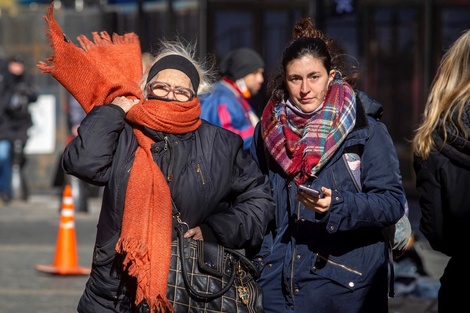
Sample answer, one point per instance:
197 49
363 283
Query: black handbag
207 277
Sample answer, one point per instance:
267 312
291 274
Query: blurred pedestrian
325 252
5 158
441 150
228 104
17 92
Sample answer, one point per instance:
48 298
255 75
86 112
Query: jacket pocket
105 276
202 176
338 271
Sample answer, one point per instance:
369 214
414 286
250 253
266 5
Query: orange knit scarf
96 74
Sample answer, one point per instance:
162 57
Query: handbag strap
181 246
241 257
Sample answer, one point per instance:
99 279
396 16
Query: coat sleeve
430 189
89 156
243 224
382 200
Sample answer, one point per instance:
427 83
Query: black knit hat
240 62
18 58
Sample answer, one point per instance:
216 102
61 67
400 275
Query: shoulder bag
208 277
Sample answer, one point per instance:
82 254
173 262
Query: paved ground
28 234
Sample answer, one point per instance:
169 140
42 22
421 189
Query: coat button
332 228
351 284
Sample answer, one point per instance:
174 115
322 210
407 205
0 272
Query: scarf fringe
48 66
103 39
134 250
160 305
136 262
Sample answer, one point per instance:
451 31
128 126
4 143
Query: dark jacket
16 94
215 184
443 182
318 262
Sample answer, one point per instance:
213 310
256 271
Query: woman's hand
319 205
194 233
125 103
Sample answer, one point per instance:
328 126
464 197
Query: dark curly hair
307 40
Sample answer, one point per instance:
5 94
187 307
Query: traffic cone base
66 256
63 270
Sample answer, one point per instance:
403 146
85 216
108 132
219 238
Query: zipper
340 265
294 248
199 170
167 147
294 251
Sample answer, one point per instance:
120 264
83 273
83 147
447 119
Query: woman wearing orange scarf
147 150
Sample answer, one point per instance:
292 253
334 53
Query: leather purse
208 277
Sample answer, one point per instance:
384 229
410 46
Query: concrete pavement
28 234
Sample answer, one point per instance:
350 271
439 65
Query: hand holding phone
309 191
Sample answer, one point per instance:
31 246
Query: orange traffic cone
66 257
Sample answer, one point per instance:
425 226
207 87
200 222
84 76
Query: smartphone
310 191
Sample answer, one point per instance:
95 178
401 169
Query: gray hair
205 68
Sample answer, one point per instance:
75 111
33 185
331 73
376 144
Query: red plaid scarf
96 74
302 143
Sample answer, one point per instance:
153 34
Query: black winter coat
214 183
443 183
16 94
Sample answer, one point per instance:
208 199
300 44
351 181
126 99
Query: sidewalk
28 234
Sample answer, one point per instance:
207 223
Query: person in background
17 92
324 253
148 154
227 105
5 157
441 150
75 115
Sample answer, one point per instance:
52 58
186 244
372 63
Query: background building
397 43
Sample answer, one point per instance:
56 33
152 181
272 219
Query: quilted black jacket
214 183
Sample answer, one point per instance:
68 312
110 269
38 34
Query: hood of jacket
457 147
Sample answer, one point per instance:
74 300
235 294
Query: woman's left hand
319 205
194 233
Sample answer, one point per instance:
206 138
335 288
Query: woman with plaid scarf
326 253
